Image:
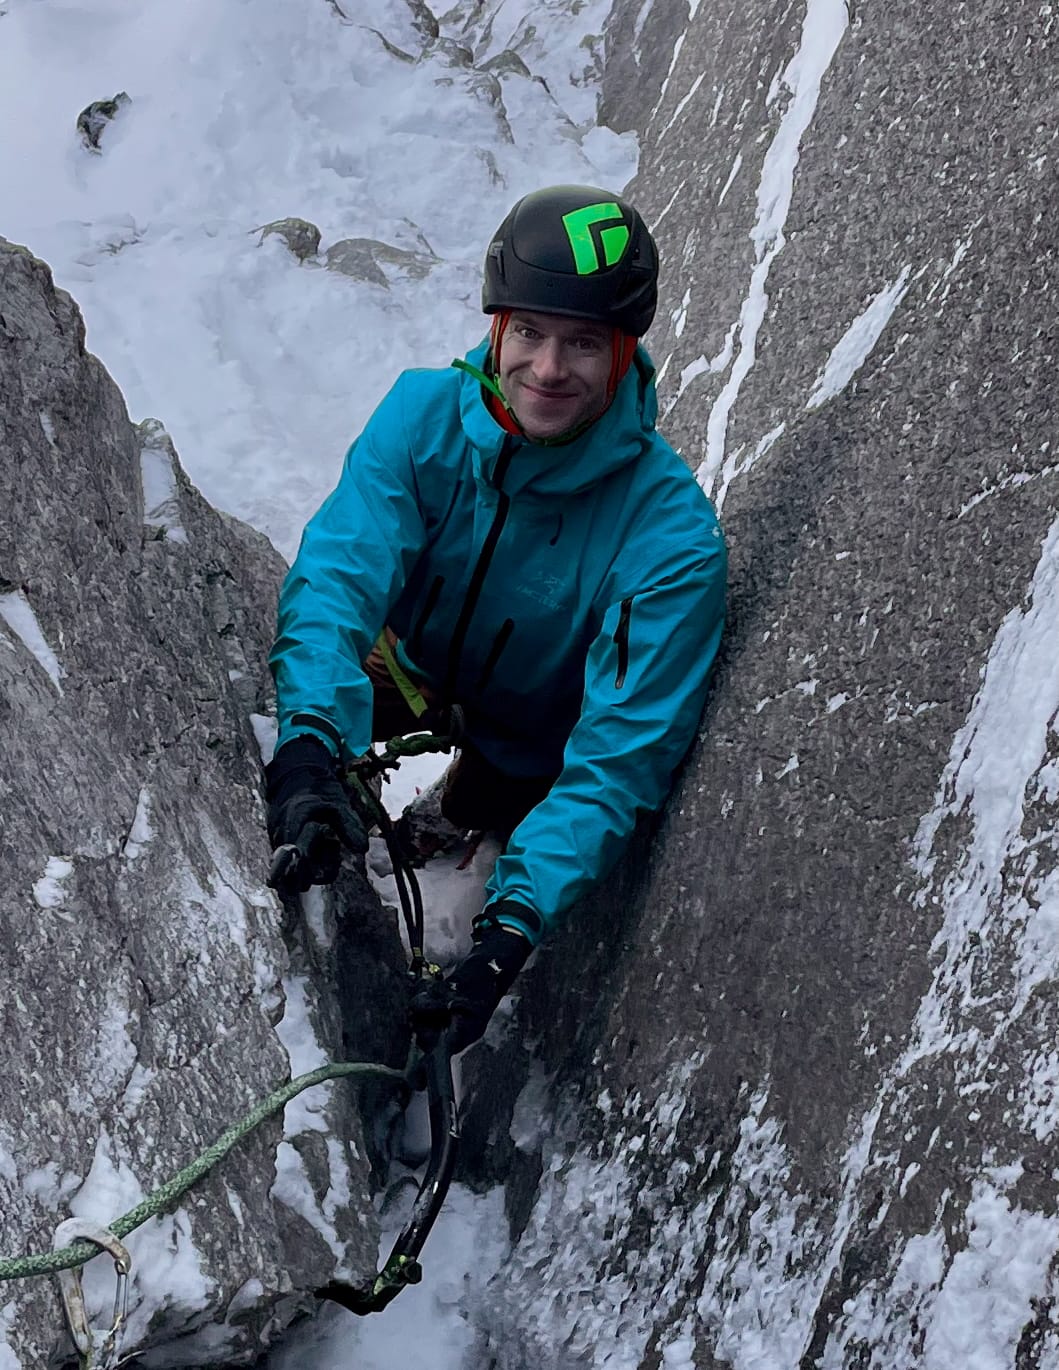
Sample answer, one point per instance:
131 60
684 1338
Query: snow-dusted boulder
366 259
148 995
803 1050
302 238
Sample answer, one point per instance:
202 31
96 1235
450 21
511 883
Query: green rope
418 744
48 1262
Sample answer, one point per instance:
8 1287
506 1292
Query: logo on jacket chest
543 588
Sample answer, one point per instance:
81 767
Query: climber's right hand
311 817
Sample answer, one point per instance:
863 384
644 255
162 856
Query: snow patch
955 1312
573 1290
313 904
853 348
988 1292
307 1112
8 1166
680 314
17 613
453 886
47 427
683 103
943 283
266 734
532 1107
293 1188
1014 480
701 365
669 74
731 177
1003 743
822 30
167 1269
998 941
111 1054
161 496
750 1319
8 1359
48 892
141 832
428 1326
641 19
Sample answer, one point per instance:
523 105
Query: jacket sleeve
356 554
645 686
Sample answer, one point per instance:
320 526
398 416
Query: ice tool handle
402 1265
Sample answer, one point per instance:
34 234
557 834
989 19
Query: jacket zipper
499 643
481 567
621 641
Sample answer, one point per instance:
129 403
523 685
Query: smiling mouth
549 394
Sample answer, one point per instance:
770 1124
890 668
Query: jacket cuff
304 749
309 725
506 913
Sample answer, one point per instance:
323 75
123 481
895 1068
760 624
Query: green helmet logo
613 240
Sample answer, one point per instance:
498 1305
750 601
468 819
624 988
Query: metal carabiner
79 1229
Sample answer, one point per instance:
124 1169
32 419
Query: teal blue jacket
590 645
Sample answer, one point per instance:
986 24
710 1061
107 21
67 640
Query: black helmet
574 250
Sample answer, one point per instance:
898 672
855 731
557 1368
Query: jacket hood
618 436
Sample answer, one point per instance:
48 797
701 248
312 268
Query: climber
511 535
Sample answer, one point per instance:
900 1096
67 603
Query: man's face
554 371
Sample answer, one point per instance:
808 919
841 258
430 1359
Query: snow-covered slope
357 118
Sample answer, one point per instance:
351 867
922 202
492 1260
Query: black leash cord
402 1265
409 895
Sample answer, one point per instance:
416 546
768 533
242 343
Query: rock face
147 984
802 1049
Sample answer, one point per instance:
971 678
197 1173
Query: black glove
467 999
310 817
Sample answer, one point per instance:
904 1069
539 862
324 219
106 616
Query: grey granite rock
94 118
301 237
145 968
801 1049
367 259
423 19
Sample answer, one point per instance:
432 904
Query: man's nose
549 363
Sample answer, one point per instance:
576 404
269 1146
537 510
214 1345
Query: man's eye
589 344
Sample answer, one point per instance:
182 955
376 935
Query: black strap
474 589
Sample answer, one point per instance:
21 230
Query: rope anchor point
74 1229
